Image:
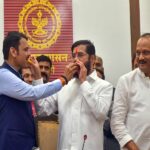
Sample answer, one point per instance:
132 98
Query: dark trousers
110 142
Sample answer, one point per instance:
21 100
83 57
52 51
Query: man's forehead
23 43
26 70
44 63
80 48
98 62
143 42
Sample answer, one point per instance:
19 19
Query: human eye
46 68
146 52
138 53
26 75
80 54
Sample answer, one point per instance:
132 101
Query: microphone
84 139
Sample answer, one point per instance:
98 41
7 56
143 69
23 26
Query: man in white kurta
130 117
83 105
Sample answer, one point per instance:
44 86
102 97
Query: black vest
17 130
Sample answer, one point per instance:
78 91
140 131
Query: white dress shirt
82 111
130 116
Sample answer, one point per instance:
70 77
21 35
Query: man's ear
13 52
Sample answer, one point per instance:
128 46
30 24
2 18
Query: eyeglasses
144 53
79 55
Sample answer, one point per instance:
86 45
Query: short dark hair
12 40
147 35
44 58
90 47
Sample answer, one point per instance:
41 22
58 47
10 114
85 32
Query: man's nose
76 58
141 56
28 53
42 69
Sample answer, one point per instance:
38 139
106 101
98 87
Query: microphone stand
84 138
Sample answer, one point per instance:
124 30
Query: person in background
98 66
100 73
17 130
82 104
98 63
45 67
27 75
110 142
134 61
130 116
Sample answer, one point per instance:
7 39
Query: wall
145 16
107 24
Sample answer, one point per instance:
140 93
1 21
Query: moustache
43 74
142 62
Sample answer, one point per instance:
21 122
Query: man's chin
45 80
144 68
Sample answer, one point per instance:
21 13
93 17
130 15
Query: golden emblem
41 22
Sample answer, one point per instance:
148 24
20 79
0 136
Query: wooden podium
47 132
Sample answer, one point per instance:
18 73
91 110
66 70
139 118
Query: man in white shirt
45 65
130 117
83 104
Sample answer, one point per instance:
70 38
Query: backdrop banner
47 24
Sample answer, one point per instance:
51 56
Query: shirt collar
93 75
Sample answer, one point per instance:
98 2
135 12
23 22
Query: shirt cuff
37 82
125 140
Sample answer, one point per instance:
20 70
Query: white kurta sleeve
45 106
98 100
119 113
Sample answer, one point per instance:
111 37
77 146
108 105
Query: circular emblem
41 22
